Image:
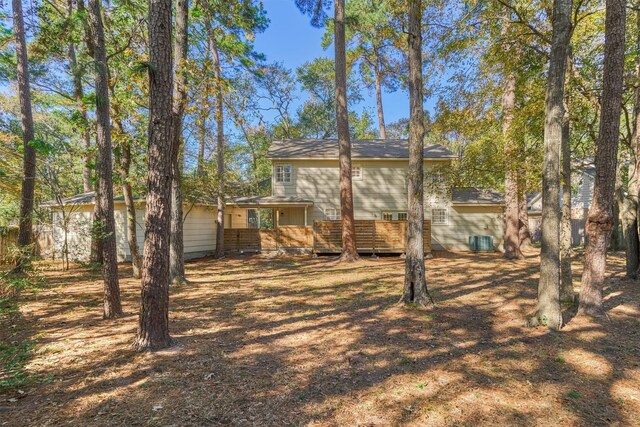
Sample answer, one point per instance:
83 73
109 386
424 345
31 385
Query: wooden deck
324 237
371 236
258 240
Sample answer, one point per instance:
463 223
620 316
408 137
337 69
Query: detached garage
77 213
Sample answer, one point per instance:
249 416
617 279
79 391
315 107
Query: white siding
465 221
199 231
79 232
383 186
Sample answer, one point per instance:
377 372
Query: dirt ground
298 341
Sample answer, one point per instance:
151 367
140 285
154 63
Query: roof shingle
360 149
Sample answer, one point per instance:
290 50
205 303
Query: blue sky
291 40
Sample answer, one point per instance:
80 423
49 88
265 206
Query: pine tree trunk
616 241
127 193
512 205
153 332
548 309
202 135
566 278
349 248
633 198
124 160
25 231
600 218
523 225
378 77
415 281
96 256
181 47
104 201
217 74
78 95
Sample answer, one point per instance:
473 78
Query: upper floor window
283 174
356 173
332 214
439 216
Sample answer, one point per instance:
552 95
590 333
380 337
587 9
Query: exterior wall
465 221
238 217
199 231
294 216
383 186
78 232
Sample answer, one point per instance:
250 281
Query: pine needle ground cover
297 341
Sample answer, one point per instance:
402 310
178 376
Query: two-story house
305 189
303 211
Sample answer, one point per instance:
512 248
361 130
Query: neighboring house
306 196
581 194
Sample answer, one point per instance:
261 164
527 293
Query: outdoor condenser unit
481 243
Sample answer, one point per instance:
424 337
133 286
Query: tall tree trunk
104 200
25 231
600 218
633 198
202 137
78 95
96 256
512 205
415 281
127 193
181 49
153 331
523 225
378 77
124 161
217 74
548 309
616 240
566 278
349 248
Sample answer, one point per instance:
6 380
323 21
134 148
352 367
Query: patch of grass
406 361
572 394
560 359
13 356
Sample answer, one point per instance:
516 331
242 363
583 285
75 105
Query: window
356 173
283 174
253 218
439 216
394 216
332 214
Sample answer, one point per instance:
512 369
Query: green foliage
14 356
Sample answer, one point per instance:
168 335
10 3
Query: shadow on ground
294 341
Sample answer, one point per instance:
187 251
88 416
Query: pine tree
600 219
153 330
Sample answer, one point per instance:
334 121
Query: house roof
360 149
269 201
78 199
476 197
90 198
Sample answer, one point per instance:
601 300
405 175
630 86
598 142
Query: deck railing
324 237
